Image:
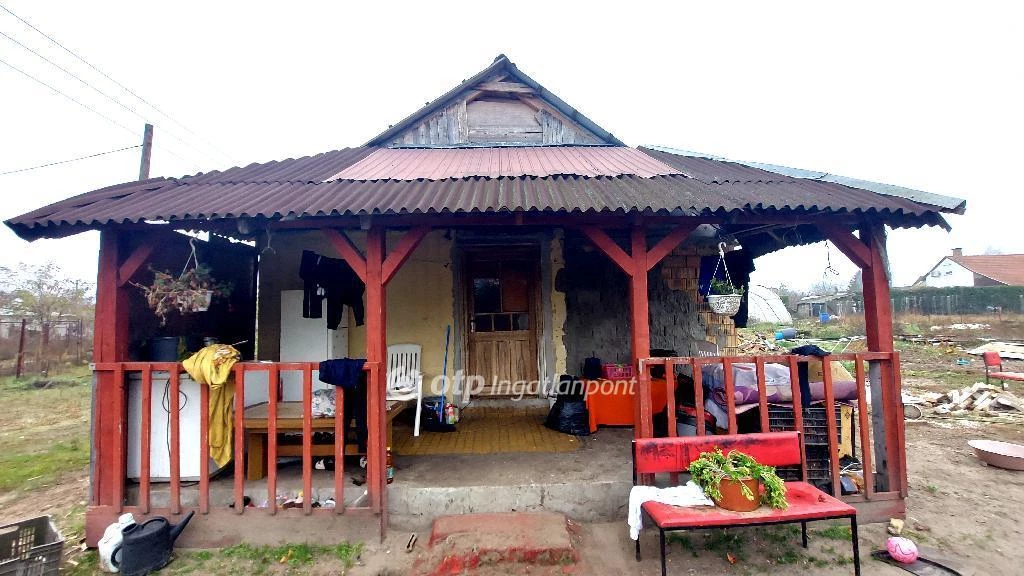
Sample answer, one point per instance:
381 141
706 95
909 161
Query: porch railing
120 372
880 424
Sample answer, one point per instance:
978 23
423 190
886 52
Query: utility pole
147 152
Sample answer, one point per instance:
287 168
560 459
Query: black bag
591 368
569 417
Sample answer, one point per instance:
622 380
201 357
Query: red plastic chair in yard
994 361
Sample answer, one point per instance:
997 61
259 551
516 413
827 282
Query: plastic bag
569 417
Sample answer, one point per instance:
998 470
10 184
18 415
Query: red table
610 402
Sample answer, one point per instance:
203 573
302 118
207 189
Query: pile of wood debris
977 399
754 344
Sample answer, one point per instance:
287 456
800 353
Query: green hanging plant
711 468
724 287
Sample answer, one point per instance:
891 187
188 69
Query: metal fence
28 347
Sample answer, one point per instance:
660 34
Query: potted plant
723 297
190 292
734 481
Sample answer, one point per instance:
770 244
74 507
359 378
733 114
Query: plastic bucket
163 349
686 426
823 317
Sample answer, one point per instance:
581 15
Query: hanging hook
191 257
829 269
268 247
721 249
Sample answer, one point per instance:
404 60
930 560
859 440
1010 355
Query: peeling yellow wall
420 305
558 303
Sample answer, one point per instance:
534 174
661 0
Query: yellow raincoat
211 366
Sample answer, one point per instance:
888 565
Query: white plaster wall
949 273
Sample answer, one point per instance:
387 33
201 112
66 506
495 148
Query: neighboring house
982 270
497 209
840 304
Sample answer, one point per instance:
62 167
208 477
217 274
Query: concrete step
543 541
415 507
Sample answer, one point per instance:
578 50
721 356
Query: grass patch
685 541
835 533
724 542
44 431
27 471
294 558
85 565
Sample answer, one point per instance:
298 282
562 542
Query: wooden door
502 322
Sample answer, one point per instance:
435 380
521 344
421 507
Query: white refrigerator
302 340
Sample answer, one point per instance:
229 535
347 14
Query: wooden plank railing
880 484
121 372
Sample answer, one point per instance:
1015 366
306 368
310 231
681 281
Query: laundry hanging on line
332 280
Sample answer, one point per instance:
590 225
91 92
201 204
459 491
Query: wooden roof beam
506 87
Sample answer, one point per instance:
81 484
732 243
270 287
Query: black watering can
147 547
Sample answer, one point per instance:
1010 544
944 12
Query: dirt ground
958 510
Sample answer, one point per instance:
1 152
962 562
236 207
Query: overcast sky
920 94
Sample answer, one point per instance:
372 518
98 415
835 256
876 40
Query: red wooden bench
993 360
673 455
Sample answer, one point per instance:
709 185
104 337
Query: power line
71 160
73 99
93 110
122 86
105 95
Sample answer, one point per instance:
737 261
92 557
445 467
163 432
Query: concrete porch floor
588 484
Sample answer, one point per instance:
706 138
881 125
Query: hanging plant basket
723 296
191 291
725 304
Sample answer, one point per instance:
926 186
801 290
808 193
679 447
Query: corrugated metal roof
190 199
1005 268
713 168
496 162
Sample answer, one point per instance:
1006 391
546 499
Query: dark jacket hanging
332 280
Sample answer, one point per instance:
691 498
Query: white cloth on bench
688 494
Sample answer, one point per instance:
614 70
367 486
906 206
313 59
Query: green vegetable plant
711 468
724 288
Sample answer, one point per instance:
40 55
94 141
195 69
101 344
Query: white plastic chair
405 381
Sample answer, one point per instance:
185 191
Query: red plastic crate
617 371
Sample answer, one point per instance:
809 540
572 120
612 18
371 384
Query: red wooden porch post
640 325
376 350
110 344
376 269
868 252
878 324
636 265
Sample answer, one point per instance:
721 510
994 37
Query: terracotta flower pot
732 494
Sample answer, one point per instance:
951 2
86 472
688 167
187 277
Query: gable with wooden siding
500 106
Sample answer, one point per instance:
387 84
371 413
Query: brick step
544 541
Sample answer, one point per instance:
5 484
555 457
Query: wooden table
289 419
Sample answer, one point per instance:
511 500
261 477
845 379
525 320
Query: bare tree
43 294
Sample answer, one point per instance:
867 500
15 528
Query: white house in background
984 270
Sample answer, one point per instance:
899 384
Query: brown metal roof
302 188
510 161
1005 268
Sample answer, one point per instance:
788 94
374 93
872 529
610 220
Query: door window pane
482 323
486 295
502 322
520 321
